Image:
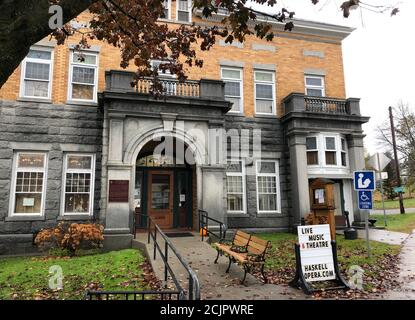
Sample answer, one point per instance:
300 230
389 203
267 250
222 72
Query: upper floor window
343 152
155 65
37 74
233 88
312 150
167 9
29 181
326 150
184 10
78 184
267 186
330 151
83 77
314 86
264 92
235 186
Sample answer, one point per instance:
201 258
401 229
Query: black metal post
149 230
166 255
155 242
190 287
395 153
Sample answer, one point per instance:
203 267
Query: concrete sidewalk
407 272
392 211
214 282
389 237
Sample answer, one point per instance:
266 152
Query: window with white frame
330 151
312 150
83 77
343 152
29 183
184 10
314 86
37 74
169 87
327 149
235 186
155 65
267 186
232 78
264 92
78 184
167 9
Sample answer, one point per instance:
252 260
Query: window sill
269 214
41 100
24 218
237 215
175 21
69 217
82 103
260 115
235 114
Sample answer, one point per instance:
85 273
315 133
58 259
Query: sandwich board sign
316 253
316 258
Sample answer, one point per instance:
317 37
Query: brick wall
286 52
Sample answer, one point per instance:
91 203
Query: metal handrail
204 225
194 286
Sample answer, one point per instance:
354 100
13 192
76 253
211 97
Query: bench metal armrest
224 241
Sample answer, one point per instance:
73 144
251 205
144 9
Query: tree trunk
25 22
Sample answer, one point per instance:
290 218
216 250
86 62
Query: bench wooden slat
255 246
241 238
259 241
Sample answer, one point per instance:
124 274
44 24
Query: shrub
70 237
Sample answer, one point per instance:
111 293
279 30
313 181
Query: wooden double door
167 197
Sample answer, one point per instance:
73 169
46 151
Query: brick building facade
77 142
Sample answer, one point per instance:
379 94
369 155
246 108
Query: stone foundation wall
54 129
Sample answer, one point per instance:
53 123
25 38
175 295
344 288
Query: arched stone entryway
165 184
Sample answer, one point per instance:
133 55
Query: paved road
214 282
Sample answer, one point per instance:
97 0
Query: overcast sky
379 56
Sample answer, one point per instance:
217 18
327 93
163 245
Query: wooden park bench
245 249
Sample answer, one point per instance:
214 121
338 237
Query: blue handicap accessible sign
365 200
364 180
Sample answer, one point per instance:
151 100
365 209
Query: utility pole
395 152
381 188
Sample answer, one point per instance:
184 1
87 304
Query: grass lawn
28 277
281 260
394 204
396 222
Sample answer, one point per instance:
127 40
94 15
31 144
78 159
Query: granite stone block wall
54 129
